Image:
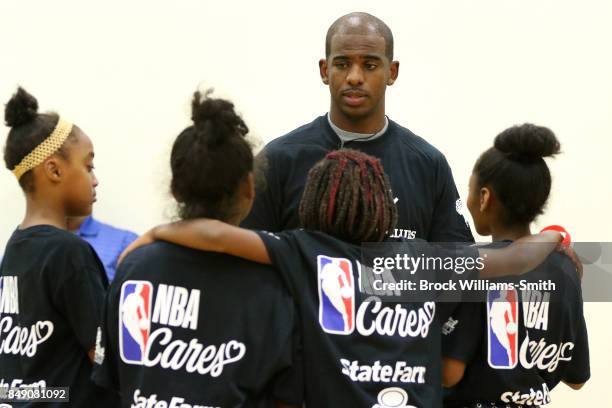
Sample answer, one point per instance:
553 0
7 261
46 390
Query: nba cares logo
502 316
336 295
134 320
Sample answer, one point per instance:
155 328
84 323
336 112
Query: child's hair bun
216 119
22 108
527 142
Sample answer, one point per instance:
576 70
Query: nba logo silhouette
336 295
134 320
502 316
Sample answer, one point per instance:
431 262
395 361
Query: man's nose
355 75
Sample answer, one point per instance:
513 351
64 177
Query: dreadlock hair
348 195
209 159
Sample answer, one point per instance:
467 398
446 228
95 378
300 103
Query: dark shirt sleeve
105 371
79 293
288 384
448 222
462 332
286 258
266 211
460 263
457 262
578 371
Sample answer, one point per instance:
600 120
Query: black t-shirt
426 197
52 287
520 342
199 328
358 352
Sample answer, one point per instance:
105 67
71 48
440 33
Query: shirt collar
347 136
89 227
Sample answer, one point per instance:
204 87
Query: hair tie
45 149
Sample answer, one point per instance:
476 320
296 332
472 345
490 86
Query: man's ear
485 198
393 72
323 71
53 169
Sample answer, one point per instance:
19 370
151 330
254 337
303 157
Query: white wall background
124 72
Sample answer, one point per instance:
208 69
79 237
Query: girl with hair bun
202 328
358 351
514 348
52 284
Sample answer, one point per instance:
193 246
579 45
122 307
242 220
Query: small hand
569 251
564 247
145 239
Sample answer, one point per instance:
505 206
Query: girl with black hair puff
185 328
517 345
52 283
357 352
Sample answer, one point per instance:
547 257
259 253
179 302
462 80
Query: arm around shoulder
215 236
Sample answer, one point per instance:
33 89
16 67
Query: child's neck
512 233
43 213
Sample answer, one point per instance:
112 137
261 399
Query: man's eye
341 65
371 66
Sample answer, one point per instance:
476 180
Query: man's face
358 72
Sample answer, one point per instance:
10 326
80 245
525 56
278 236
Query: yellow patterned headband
44 150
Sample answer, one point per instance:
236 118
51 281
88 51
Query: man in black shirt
358 67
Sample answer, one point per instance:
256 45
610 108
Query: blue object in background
108 242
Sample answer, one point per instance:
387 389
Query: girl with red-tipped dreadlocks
358 352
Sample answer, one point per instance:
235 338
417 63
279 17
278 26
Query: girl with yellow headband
52 284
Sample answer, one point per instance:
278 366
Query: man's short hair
362 23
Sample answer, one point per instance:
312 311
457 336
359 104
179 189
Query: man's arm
448 222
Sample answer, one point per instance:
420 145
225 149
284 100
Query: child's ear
485 199
53 170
